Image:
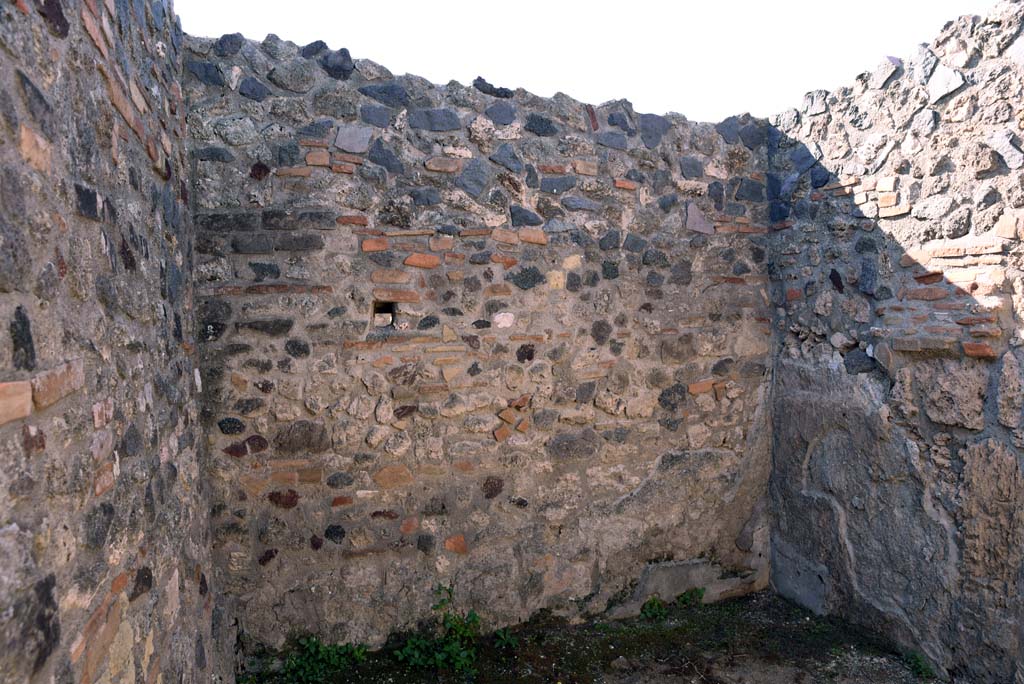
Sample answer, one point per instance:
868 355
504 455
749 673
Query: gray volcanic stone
297 76
580 444
610 240
577 203
612 139
501 113
353 138
338 64
526 278
486 88
524 217
506 156
206 72
228 45
540 125
750 190
556 185
729 129
392 94
475 177
691 167
384 156
253 89
652 128
375 115
313 49
434 120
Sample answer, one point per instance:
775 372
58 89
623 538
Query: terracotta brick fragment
508 415
15 401
346 158
341 501
533 236
388 276
53 385
375 245
979 350
422 260
440 243
505 260
625 184
456 544
554 169
502 433
317 158
443 164
585 167
509 237
892 212
34 149
702 387
352 220
294 171
343 168
928 293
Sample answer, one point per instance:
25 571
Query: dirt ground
760 639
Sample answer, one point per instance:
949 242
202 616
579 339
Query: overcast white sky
706 60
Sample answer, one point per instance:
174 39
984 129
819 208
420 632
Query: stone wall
104 545
465 334
897 485
562 356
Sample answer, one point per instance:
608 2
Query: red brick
295 171
343 168
585 167
34 148
443 164
456 544
392 295
702 387
388 276
533 236
15 401
928 293
347 158
375 244
929 277
353 220
474 232
793 294
318 158
556 169
505 260
341 501
422 260
979 350
94 32
53 385
508 415
441 243
509 237
502 433
625 184
409 525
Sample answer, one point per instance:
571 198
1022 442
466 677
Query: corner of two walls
896 487
104 544
467 334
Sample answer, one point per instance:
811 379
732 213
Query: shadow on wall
897 214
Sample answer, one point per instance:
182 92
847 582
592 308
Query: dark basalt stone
487 89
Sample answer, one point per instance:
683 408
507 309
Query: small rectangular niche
384 314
